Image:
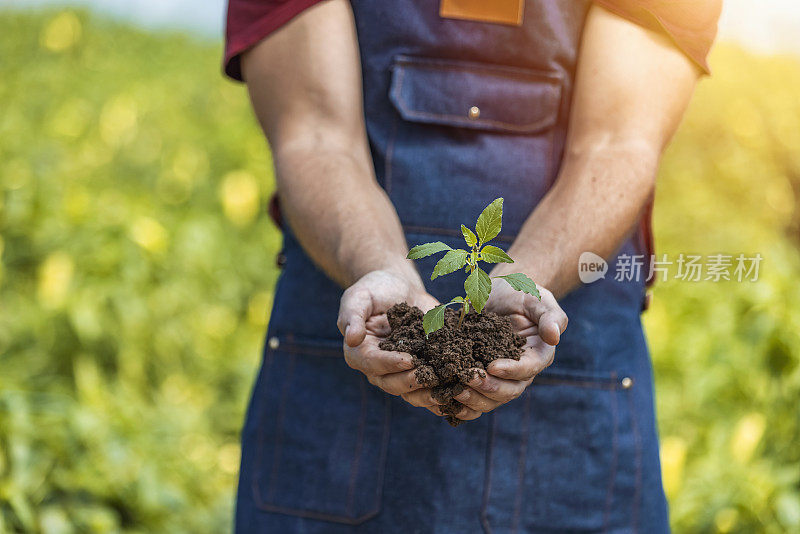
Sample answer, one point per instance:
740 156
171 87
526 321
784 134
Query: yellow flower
61 33
673 458
259 307
726 519
240 197
149 234
55 276
118 121
228 457
747 435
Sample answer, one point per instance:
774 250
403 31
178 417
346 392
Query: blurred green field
138 262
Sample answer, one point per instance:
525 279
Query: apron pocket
322 436
465 133
563 458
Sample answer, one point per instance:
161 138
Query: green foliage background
138 262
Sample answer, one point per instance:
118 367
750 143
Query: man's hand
541 323
363 323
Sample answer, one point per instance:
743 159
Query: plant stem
464 309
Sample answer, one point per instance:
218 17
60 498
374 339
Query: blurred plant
137 271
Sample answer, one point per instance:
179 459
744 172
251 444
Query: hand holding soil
452 352
363 323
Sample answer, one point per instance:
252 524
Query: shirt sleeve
691 24
250 21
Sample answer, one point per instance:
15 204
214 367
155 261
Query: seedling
478 284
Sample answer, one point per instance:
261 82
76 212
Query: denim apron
326 452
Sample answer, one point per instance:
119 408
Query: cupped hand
363 323
541 323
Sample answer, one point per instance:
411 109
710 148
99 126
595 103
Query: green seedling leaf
520 282
469 237
490 221
452 261
433 320
458 300
421 251
493 254
478 285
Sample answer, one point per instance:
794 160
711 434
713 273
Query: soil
451 356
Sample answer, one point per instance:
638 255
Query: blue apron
323 450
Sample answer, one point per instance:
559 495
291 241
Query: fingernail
463 396
475 382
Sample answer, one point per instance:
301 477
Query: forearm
593 206
305 85
339 214
632 87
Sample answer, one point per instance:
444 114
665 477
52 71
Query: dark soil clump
451 356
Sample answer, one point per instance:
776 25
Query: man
394 122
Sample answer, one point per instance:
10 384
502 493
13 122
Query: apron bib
458 112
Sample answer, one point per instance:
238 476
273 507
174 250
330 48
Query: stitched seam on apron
487 478
614 461
357 453
278 429
522 461
638 454
260 432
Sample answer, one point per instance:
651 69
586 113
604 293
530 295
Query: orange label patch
497 11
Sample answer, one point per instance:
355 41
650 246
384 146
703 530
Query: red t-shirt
691 24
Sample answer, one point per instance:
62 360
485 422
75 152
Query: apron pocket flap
474 95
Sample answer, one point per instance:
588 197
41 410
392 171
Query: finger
397 383
548 315
371 360
536 357
421 398
498 389
476 401
354 310
468 414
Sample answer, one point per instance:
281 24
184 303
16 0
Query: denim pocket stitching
294 348
638 444
522 462
610 384
278 429
401 63
614 461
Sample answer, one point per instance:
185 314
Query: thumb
354 310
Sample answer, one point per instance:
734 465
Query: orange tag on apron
498 11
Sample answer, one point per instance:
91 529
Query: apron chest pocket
474 95
477 130
322 437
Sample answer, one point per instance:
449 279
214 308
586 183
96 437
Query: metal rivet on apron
474 112
627 382
274 343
